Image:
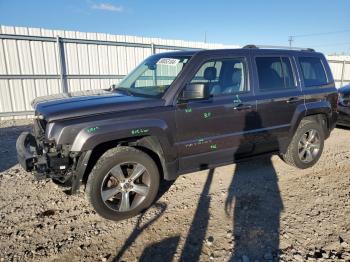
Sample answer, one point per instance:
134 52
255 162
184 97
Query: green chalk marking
207 114
139 131
213 146
92 129
237 100
188 110
201 140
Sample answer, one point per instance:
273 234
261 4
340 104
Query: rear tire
306 146
123 183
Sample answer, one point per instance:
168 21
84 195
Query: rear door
211 131
278 96
318 85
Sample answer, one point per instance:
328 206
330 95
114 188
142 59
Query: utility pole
205 36
290 40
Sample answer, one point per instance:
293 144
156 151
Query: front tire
306 146
123 182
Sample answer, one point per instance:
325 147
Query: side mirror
195 92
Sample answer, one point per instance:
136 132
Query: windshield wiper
123 90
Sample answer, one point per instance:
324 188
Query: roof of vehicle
247 49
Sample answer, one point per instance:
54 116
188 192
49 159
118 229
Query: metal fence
36 62
341 70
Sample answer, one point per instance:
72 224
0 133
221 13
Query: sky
323 25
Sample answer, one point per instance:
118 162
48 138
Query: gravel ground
262 210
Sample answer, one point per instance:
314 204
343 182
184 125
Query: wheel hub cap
309 146
125 186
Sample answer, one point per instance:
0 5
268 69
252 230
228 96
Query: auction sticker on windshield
168 61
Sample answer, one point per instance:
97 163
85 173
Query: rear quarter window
313 71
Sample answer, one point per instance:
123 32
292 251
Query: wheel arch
148 144
318 111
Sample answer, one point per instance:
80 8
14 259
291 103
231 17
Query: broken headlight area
45 158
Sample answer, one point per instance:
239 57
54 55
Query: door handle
242 107
293 100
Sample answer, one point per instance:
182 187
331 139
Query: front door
212 131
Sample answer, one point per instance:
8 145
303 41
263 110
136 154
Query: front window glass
223 76
153 76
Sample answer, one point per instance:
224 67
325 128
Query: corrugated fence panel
29 92
25 52
5 97
36 62
11 57
41 87
347 74
336 70
17 95
112 57
341 71
102 54
121 60
3 68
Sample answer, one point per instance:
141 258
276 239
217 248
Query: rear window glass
313 71
275 73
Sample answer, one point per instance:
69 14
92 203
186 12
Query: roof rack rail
278 47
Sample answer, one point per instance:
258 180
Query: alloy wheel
309 146
125 186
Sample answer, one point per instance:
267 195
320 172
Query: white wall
22 60
340 66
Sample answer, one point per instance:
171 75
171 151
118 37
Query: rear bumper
26 147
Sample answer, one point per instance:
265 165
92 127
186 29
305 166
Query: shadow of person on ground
8 138
196 235
138 229
257 202
161 251
165 249
164 186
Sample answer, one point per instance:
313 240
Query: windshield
153 76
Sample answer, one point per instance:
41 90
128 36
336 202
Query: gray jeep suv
180 112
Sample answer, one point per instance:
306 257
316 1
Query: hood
344 89
87 103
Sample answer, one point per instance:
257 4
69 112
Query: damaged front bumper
63 169
27 148
33 157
